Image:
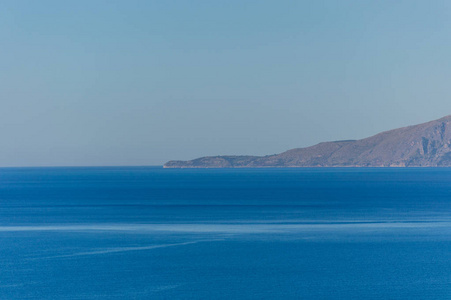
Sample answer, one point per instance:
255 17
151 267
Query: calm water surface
153 233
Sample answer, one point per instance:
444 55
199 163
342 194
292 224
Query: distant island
423 145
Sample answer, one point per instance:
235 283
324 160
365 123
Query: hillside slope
423 145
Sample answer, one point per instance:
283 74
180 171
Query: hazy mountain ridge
423 145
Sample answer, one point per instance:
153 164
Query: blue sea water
154 233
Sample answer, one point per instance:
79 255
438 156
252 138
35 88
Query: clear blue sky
143 82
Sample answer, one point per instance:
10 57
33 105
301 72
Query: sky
114 83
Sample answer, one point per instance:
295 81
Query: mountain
423 145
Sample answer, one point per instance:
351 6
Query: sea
270 233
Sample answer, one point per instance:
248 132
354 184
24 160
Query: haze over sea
154 233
